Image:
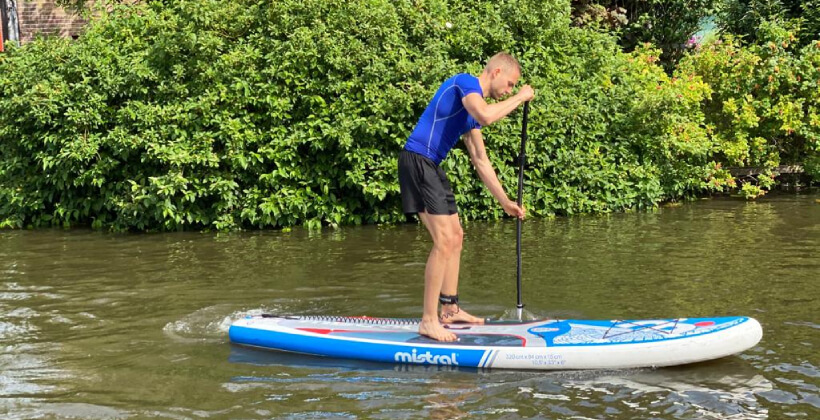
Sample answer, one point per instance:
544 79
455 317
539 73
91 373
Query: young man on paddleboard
458 109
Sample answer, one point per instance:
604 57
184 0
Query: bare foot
451 314
435 331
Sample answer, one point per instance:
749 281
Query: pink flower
694 41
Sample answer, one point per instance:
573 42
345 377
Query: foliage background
744 17
667 24
765 106
252 114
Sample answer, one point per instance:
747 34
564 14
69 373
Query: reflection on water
98 325
710 390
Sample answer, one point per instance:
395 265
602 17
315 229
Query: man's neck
484 82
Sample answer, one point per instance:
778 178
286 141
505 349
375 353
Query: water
99 325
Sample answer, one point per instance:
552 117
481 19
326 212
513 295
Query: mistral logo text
415 357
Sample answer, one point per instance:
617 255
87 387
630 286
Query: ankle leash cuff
448 299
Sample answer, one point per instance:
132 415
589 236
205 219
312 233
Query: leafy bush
667 24
743 18
765 107
253 114
223 115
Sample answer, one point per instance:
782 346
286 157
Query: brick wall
45 17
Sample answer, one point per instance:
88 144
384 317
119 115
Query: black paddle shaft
522 158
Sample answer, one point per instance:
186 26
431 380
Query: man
458 109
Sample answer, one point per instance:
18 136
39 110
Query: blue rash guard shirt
445 119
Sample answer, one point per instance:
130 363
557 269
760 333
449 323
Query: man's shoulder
465 78
461 78
468 83
461 84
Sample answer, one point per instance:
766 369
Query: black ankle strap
448 299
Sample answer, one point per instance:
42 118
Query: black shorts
424 186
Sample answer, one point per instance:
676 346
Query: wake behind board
545 344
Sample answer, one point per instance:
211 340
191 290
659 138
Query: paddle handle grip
522 156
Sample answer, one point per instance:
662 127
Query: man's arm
478 155
487 114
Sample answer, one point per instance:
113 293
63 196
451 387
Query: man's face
503 82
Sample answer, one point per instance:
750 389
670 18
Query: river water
100 325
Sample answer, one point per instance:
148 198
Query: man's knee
448 242
458 237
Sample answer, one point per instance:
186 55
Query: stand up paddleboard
545 344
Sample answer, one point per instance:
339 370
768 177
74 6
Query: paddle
522 157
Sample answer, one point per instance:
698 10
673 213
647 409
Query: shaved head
500 75
502 61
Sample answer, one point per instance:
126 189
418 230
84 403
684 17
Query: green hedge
252 114
743 18
667 24
765 107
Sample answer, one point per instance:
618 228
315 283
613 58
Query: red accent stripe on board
704 323
316 330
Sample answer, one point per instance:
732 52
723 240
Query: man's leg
453 313
445 242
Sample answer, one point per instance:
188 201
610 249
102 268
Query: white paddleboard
545 344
